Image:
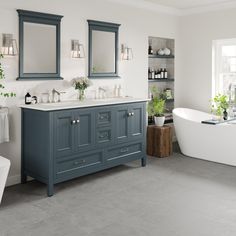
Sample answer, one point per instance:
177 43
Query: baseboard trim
13 180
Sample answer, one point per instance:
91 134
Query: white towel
4 126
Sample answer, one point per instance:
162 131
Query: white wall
136 26
194 65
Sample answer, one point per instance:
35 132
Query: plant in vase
156 107
2 76
220 104
80 84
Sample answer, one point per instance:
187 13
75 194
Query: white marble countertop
70 104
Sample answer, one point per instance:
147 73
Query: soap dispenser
119 91
28 98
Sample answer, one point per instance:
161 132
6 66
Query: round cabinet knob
78 121
129 114
73 121
132 113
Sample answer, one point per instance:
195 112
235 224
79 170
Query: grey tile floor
175 196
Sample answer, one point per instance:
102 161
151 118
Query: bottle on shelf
149 73
165 73
159 74
153 74
150 50
162 73
156 74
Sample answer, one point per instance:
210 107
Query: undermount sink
108 99
58 104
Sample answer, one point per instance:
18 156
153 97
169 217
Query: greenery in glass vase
2 76
220 103
81 83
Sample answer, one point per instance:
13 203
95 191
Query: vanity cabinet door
63 133
121 123
129 122
84 129
136 120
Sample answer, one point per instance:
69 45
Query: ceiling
189 4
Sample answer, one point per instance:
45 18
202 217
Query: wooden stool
159 141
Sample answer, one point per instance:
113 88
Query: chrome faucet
103 90
54 91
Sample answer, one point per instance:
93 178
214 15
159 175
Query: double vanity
62 141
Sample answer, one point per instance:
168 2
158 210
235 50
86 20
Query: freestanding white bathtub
209 142
4 169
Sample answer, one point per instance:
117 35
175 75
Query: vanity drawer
103 135
103 117
84 161
124 151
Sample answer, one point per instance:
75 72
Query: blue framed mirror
39 46
103 49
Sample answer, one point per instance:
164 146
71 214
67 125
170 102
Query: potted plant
156 107
220 104
159 107
80 84
2 76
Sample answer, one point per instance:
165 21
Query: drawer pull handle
79 162
124 150
103 117
103 135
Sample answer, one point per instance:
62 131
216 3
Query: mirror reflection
103 53
39 48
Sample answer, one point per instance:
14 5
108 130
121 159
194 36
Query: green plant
2 76
159 106
81 83
219 104
156 106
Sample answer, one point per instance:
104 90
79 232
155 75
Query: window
224 66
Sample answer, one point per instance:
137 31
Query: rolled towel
4 126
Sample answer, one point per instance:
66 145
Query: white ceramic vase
166 51
159 120
160 52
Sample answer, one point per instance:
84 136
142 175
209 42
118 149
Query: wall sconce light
77 49
126 52
9 45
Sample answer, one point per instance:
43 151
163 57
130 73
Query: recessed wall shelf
157 64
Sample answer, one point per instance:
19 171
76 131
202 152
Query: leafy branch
2 76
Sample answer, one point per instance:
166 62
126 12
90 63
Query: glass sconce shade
126 53
77 49
9 45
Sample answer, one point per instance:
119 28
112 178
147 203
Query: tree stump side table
159 141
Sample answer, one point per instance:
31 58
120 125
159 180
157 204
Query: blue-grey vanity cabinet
73 131
58 145
129 122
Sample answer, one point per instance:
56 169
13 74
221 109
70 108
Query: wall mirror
103 49
39 46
